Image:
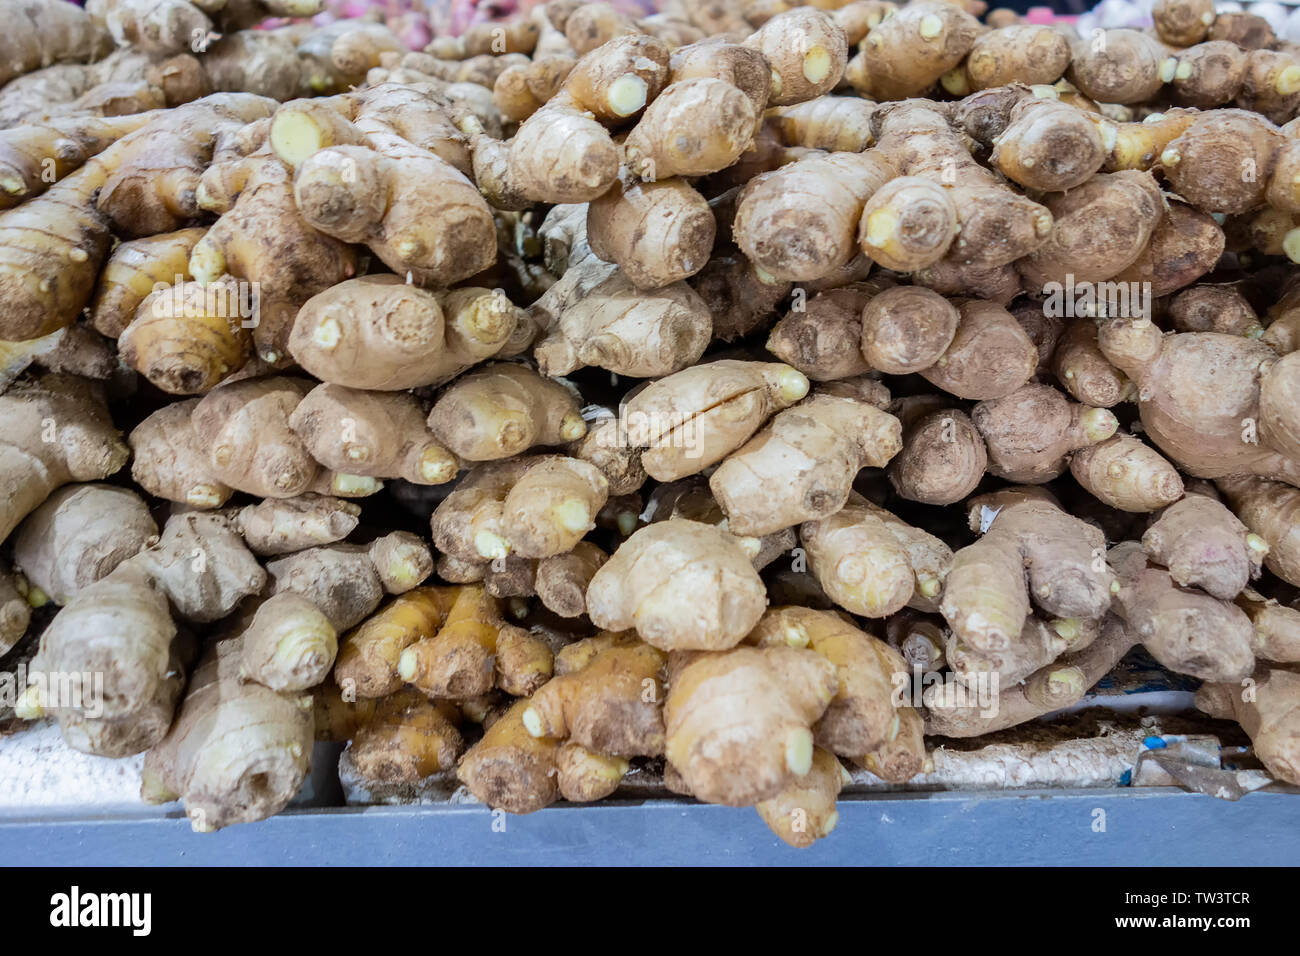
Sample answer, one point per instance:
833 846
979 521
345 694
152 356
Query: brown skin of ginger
1049 146
738 299
989 356
612 704
812 451
768 698
562 579
1123 67
1083 370
289 645
942 458
986 596
1185 629
368 657
1204 545
1205 164
824 339
907 329
657 232
907 53
723 114
552 505
1277 627
1020 53
832 123
1031 433
169 461
1183 22
187 339
407 739
509 767
805 811
282 525
1185 245
203 566
1127 474
1271 510
683 585
1265 707
807 51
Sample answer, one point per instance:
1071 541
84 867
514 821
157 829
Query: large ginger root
134 271
503 410
374 434
824 339
607 696
871 563
263 239
1264 705
203 566
552 505
1030 549
812 451
244 429
681 584
1185 629
1121 66
469 524
1031 433
1270 510
474 651
79 535
1204 546
237 752
1208 431
656 152
368 657
379 332
170 462
509 767
1020 53
695 418
989 355
739 723
37 154
864 713
1084 372
1277 627
57 431
155 186
657 232
347 582
594 315
606 446
1205 164
997 226
119 629
800 222
906 54
832 123
1038 645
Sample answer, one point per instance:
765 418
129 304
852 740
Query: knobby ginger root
1204 545
406 739
552 505
237 751
824 339
503 410
611 702
606 446
657 232
185 339
1031 433
808 53
1054 687
871 563
1185 629
739 723
832 123
681 584
594 315
283 525
862 715
1277 627
379 332
57 431
812 451
907 53
203 566
244 428
80 534
1031 549
989 355
373 434
1086 373
120 627
1118 66
655 150
942 456
368 656
475 650
562 579
691 498
695 418
1214 308
136 269
1272 511
170 462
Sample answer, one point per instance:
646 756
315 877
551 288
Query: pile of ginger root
585 395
